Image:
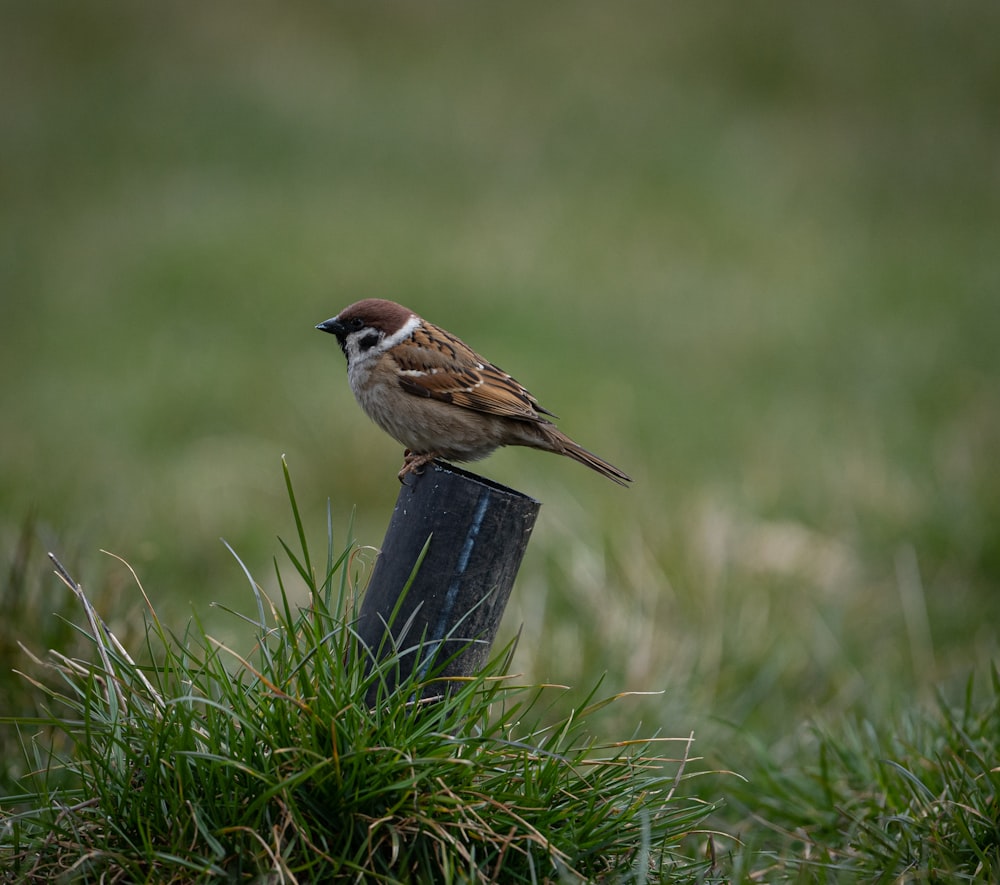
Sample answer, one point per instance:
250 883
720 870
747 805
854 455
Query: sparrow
431 392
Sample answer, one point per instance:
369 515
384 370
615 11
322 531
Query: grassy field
749 255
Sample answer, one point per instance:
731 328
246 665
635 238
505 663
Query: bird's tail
560 443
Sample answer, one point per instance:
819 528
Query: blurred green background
750 253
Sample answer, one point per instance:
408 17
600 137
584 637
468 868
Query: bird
436 396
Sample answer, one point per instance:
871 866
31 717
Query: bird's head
368 328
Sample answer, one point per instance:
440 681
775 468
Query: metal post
448 619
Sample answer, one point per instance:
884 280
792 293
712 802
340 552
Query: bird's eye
355 323
368 341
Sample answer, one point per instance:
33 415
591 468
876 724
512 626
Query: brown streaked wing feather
450 371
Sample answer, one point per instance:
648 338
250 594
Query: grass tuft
914 800
210 762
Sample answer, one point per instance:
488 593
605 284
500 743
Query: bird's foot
414 463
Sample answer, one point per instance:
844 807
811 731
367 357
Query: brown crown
386 316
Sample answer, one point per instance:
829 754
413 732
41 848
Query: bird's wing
434 363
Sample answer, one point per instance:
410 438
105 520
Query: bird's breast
422 424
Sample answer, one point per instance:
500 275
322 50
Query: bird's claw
414 463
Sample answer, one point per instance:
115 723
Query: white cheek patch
356 354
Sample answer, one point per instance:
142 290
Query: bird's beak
333 326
